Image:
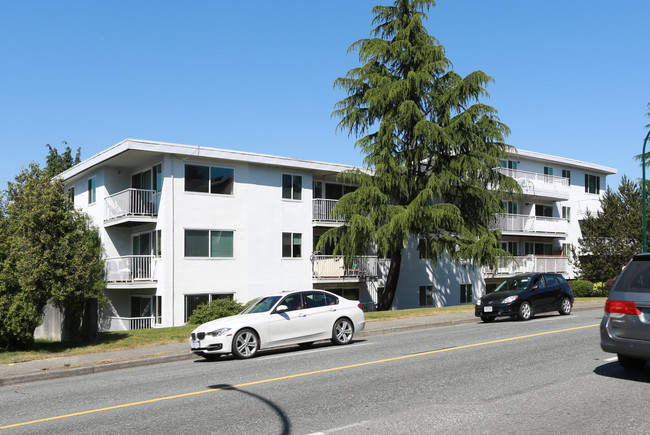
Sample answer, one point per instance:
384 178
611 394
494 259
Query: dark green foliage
613 235
48 250
430 144
215 310
582 288
55 163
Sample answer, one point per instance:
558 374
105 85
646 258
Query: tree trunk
386 298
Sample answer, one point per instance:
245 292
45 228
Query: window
347 293
538 248
566 249
426 295
204 243
291 186
543 210
510 207
566 174
92 190
566 213
205 179
293 302
71 195
548 170
592 184
291 245
510 164
422 249
318 189
193 301
466 295
511 247
315 299
151 179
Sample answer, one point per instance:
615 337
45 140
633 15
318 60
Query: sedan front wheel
565 308
245 344
342 331
525 311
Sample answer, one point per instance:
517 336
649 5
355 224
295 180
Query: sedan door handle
302 315
332 309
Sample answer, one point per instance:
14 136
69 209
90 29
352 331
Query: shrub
214 310
582 288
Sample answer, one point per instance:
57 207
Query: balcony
131 207
328 267
130 271
539 185
112 324
509 266
322 212
519 224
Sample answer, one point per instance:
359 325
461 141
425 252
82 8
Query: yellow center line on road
282 378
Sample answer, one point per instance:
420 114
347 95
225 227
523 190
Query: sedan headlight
509 299
479 302
218 332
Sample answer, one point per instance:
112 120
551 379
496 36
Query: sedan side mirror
281 309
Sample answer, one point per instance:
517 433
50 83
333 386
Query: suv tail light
621 307
360 307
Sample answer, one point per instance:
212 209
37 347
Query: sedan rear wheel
565 308
525 311
629 363
342 331
245 344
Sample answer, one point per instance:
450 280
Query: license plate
487 309
196 344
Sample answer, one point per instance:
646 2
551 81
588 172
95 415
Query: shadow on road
614 370
282 416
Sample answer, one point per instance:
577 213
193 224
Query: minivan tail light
621 307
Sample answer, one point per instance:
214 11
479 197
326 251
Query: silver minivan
625 328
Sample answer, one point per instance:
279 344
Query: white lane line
325 349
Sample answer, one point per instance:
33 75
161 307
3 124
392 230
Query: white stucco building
182 225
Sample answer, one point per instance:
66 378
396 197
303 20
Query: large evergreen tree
48 250
429 143
614 234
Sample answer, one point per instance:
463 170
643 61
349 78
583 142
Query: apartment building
182 225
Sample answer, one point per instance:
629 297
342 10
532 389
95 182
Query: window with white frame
426 296
567 174
566 213
548 170
92 190
192 301
592 184
510 164
510 206
510 247
291 186
209 179
466 295
291 245
209 243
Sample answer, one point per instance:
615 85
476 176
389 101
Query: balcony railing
131 268
532 182
529 224
528 264
132 202
328 266
111 324
323 210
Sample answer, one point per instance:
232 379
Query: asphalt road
545 375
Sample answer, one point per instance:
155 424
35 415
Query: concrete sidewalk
59 367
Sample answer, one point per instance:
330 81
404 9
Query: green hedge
582 288
214 310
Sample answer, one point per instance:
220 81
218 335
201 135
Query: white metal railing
323 210
530 224
113 323
132 202
528 264
328 266
533 181
130 268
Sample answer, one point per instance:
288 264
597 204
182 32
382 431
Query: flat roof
565 161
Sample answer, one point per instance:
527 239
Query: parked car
523 296
299 317
625 328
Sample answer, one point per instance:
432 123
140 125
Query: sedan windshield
261 305
515 283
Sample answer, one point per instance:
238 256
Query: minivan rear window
634 278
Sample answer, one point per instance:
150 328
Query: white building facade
182 225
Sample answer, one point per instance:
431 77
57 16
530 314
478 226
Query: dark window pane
331 299
297 187
286 244
315 299
196 178
222 242
193 301
196 243
221 180
286 186
333 191
297 244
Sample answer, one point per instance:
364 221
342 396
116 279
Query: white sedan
299 317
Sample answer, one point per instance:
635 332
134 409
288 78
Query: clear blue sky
572 78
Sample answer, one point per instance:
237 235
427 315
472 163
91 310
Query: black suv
625 328
523 296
